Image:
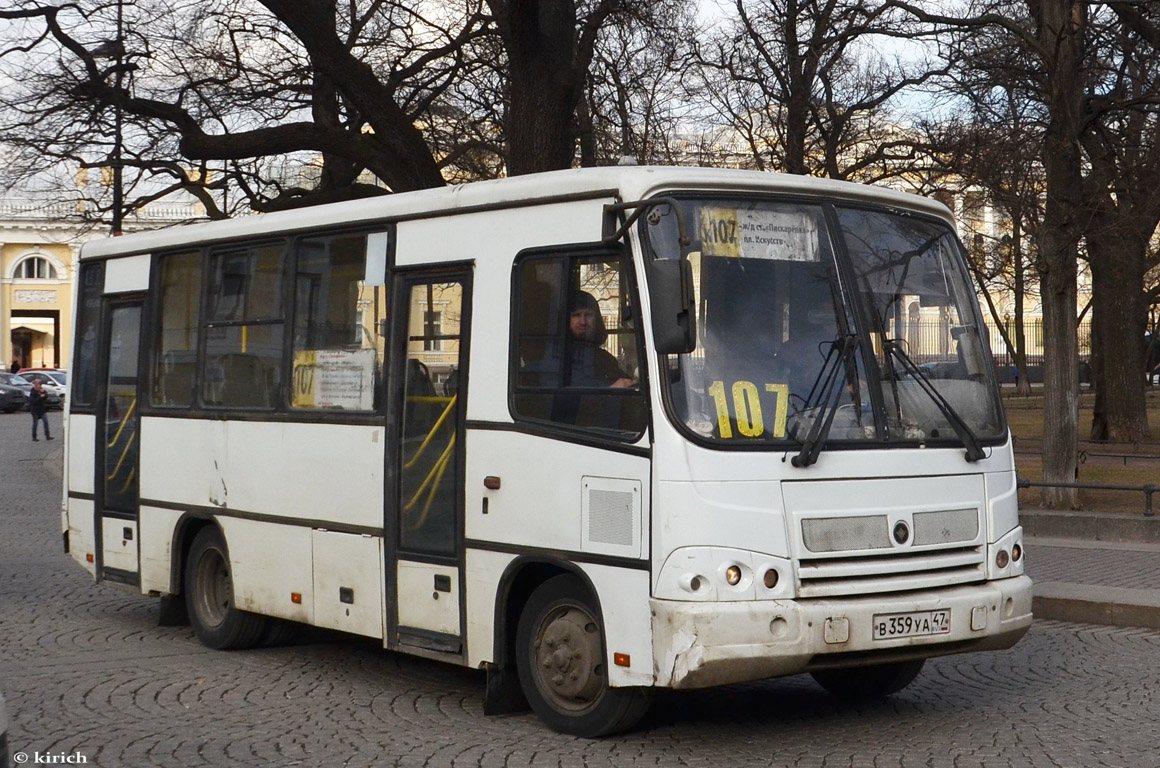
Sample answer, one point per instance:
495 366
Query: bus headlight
721 573
1005 556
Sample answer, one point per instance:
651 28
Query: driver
591 364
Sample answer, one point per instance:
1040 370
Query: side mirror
670 281
674 314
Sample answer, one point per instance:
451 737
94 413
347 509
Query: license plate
888 626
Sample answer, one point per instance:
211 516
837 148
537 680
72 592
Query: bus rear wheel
209 596
561 661
862 683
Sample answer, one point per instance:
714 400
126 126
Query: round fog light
770 579
733 575
1016 553
1002 559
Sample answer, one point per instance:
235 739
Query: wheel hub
568 656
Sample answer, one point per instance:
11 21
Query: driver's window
577 351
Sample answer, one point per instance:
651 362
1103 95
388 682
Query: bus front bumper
697 645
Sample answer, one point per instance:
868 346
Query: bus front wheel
869 682
561 661
209 596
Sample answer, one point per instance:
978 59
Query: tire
560 657
863 683
209 596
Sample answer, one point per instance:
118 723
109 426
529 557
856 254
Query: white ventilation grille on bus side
612 516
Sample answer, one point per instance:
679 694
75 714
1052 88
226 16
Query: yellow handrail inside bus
434 478
124 420
128 481
438 423
124 453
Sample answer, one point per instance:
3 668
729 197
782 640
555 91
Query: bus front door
425 461
117 447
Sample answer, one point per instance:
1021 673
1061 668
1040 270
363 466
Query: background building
39 243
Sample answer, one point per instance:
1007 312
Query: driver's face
582 323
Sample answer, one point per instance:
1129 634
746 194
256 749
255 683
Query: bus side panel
81 533
1002 503
539 504
263 468
179 461
331 472
156 526
81 439
275 568
348 582
80 520
624 604
482 572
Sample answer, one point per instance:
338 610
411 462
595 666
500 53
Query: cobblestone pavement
89 674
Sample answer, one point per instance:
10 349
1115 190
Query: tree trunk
1060 28
1023 384
1118 322
546 74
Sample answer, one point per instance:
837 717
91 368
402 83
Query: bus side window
337 352
576 345
179 329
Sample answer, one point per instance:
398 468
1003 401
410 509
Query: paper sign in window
335 379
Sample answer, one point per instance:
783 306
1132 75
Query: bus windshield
827 323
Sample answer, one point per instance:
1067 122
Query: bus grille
855 555
896 572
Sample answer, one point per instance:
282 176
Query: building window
432 329
35 268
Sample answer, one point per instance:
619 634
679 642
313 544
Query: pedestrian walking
38 407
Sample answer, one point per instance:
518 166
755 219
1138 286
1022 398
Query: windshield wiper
830 377
958 424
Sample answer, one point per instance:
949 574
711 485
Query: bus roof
625 182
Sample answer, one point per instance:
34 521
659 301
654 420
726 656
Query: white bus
597 432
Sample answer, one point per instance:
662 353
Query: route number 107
741 405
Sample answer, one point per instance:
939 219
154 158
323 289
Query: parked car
21 383
12 399
54 382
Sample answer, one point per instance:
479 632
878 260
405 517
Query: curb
1090 526
1110 606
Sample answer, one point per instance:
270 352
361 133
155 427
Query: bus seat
244 383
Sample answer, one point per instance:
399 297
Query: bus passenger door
118 415
424 499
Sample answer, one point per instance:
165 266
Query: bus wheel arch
184 532
561 657
209 598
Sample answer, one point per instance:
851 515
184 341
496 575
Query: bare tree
634 103
805 85
994 147
1122 192
1052 35
270 103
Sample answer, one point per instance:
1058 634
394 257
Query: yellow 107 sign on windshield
745 399
719 232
